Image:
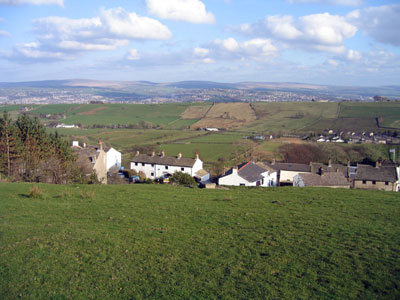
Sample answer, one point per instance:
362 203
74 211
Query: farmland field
157 241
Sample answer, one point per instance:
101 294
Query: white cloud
32 51
34 2
111 29
317 32
335 2
129 25
251 49
282 26
332 62
326 29
382 23
133 54
193 11
353 55
202 52
4 33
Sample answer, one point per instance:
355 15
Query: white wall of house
287 176
113 159
198 165
154 171
271 179
234 180
298 181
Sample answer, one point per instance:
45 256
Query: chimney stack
273 161
196 155
100 144
310 163
137 153
179 155
153 153
329 163
377 164
348 162
321 171
84 145
162 153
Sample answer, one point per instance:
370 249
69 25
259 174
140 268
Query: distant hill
146 88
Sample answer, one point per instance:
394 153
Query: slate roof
86 157
251 172
165 161
289 167
384 173
266 167
315 168
328 179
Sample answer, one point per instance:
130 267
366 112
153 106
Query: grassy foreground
152 241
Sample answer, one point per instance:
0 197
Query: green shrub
182 178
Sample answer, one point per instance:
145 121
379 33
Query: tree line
28 153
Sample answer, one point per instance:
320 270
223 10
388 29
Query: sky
335 42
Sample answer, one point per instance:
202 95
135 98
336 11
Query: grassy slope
138 241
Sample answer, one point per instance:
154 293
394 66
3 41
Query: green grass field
165 242
274 117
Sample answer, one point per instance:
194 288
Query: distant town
52 92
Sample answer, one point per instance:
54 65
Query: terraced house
159 166
380 177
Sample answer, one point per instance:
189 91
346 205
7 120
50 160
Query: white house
247 174
287 171
156 166
113 159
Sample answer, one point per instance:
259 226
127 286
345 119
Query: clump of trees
29 153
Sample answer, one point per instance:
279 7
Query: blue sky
337 42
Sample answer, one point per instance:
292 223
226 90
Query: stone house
385 178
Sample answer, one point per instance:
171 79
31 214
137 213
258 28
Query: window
242 184
386 182
364 182
166 167
143 164
136 163
182 169
152 165
152 174
373 182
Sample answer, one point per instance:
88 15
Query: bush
35 192
182 179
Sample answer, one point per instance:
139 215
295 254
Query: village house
329 168
247 174
159 166
113 159
324 179
91 159
380 177
287 171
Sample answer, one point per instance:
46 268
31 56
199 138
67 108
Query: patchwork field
227 115
165 242
271 117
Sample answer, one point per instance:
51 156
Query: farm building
329 168
90 158
287 171
158 166
248 174
380 177
330 179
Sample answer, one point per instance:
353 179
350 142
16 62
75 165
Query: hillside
153 241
